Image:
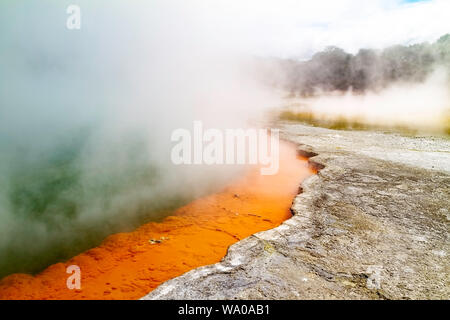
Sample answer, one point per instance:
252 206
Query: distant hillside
336 70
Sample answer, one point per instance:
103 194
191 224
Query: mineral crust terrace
372 224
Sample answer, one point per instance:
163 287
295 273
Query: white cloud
299 28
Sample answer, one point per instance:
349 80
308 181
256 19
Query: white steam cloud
86 118
419 106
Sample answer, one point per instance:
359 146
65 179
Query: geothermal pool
129 265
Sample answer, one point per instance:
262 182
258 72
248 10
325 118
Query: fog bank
420 107
86 118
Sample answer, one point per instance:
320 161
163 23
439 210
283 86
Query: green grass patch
343 123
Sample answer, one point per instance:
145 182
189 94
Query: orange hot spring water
129 265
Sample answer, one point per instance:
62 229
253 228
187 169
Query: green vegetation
336 70
340 123
447 126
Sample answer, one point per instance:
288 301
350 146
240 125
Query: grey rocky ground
372 224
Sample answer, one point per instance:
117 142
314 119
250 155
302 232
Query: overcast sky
285 28
301 27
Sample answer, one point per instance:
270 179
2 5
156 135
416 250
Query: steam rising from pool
416 107
86 118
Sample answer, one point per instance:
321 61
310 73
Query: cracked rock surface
372 224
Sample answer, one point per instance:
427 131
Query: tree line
336 70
